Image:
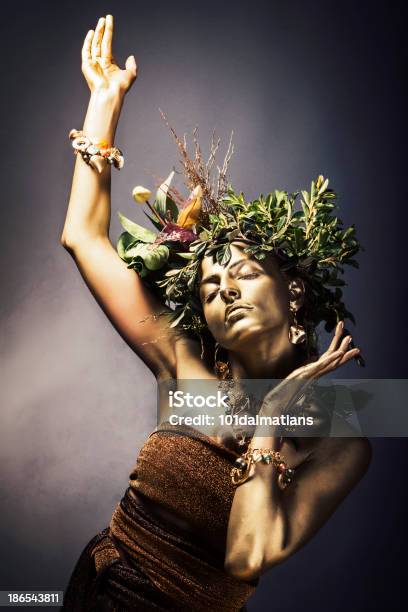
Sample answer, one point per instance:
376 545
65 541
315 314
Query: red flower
175 232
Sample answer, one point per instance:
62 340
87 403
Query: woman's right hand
98 65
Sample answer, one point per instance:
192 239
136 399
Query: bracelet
241 470
96 154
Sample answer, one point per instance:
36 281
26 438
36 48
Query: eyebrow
214 277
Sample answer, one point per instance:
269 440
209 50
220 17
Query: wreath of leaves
299 228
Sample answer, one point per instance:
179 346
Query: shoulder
189 362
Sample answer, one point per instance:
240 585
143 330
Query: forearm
267 524
257 517
257 521
89 207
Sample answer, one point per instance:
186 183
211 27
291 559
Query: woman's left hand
330 360
281 396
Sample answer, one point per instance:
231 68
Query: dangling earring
297 333
221 368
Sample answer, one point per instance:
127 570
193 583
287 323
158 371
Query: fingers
325 362
345 343
98 62
106 45
314 369
337 336
86 48
347 356
97 39
131 66
338 362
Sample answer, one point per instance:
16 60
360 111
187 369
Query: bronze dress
141 562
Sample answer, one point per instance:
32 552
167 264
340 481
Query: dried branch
222 183
199 172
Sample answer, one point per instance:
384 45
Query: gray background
309 88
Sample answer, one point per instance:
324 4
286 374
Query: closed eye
211 295
250 275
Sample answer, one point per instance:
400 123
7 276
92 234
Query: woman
185 536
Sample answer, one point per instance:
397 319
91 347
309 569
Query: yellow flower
189 215
141 194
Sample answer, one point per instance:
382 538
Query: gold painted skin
266 525
261 287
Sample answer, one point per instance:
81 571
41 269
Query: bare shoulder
189 362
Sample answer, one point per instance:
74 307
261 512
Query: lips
233 307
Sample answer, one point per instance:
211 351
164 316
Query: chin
241 333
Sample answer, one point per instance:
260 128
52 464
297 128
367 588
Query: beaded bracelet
96 154
241 470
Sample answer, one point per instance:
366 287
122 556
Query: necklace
238 404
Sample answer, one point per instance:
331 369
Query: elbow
70 240
245 562
246 572
65 242
74 238
249 559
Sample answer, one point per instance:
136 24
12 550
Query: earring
297 333
221 368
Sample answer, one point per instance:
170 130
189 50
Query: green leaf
123 244
281 223
348 232
191 282
324 187
164 202
137 231
178 319
157 224
306 197
137 250
200 249
172 272
298 238
153 259
350 316
157 257
224 255
204 235
137 264
186 255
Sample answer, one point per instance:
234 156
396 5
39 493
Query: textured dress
140 561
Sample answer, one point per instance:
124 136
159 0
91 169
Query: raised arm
119 290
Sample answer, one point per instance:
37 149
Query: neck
272 358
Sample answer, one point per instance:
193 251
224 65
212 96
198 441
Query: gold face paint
243 299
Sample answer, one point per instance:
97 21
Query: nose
229 294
